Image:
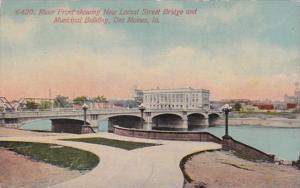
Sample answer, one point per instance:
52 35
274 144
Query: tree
125 103
100 99
61 102
237 106
80 100
31 105
45 104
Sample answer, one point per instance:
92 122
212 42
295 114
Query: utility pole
51 100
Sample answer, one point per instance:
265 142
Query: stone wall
246 151
167 135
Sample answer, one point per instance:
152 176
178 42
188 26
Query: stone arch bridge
182 119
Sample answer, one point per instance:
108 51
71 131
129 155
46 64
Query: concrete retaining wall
246 151
167 135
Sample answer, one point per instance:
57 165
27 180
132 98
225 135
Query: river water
283 142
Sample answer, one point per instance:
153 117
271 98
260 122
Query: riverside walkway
156 166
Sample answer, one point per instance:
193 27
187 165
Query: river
283 142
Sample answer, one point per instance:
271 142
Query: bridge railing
38 113
79 112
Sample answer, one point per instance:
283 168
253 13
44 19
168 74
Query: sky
235 49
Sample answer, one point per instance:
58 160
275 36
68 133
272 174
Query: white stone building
184 98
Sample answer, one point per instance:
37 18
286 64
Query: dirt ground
19 171
223 169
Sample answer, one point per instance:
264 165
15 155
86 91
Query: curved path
156 166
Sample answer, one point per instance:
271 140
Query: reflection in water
103 126
39 125
283 142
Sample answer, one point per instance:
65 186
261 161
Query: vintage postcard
149 93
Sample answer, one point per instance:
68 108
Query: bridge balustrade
68 112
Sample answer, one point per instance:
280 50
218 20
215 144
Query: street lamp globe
142 107
85 106
226 108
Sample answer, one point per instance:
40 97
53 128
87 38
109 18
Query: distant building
184 98
138 95
280 105
264 106
293 101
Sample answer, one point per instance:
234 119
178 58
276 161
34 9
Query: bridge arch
26 121
60 125
127 121
213 118
167 120
196 120
67 125
116 115
154 114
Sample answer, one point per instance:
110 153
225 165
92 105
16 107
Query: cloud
229 15
90 59
180 53
210 18
247 69
14 32
77 72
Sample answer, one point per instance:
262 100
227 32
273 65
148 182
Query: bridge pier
206 122
184 124
148 124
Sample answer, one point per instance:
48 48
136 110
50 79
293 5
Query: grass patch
62 156
128 145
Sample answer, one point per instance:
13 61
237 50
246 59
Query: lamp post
226 109
84 108
142 109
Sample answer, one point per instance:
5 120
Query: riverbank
222 169
259 121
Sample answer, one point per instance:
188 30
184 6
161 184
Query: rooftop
175 90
